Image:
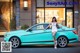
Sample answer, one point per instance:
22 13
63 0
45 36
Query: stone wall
25 15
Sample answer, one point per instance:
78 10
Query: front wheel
62 41
15 42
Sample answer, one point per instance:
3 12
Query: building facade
15 13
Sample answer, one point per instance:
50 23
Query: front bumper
6 39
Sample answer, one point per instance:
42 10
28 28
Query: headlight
6 35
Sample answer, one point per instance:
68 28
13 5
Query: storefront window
59 13
40 15
4 15
69 18
55 8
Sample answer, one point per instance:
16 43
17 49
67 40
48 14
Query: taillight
74 31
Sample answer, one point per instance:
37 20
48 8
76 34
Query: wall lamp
25 3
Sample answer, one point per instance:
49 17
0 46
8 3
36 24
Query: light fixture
25 2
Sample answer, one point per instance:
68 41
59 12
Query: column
17 13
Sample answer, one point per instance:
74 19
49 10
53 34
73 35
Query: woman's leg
54 35
55 41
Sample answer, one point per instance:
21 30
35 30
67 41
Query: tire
15 42
62 41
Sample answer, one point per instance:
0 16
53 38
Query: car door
38 35
34 34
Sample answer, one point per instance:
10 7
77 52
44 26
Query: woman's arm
48 26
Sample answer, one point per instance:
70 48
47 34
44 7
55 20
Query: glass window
5 15
45 25
54 3
69 18
40 3
38 27
40 15
59 13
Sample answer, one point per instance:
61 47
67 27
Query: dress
54 28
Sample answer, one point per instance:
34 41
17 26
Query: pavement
69 49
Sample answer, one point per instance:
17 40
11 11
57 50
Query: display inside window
59 13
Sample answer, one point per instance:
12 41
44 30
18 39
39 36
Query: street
72 48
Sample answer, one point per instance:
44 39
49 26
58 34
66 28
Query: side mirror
30 30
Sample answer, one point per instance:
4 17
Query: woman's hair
54 18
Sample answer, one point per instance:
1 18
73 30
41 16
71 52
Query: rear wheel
15 42
62 41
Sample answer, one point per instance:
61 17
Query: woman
54 30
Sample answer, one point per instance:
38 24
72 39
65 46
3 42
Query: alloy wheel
15 42
62 41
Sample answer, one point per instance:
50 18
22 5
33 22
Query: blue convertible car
38 35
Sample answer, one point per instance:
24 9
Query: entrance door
47 15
